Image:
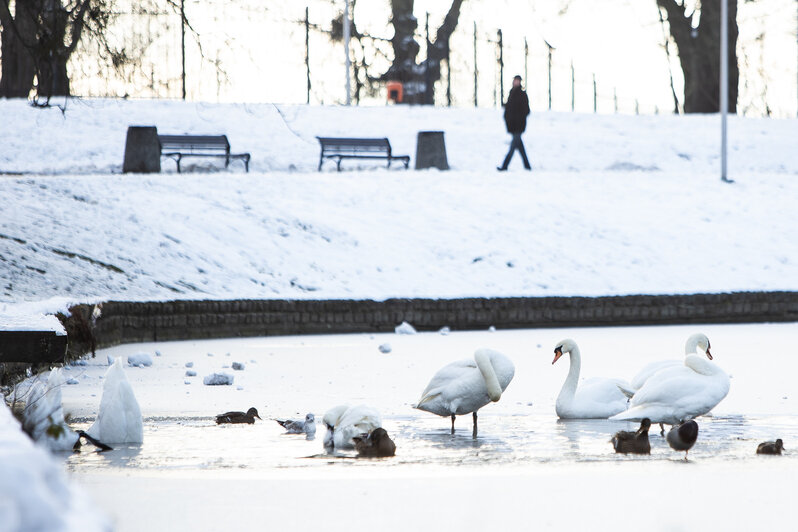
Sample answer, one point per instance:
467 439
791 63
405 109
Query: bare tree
417 77
697 37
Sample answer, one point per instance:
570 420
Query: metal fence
284 52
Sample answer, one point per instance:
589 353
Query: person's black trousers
516 144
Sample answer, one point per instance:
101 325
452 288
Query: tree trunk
418 80
699 54
18 66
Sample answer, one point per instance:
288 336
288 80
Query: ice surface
529 458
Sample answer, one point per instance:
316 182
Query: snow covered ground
526 468
616 205
34 492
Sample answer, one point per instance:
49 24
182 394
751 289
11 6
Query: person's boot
501 168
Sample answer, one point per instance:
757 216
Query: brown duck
770 447
633 442
238 417
377 444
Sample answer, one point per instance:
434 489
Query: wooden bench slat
179 146
357 148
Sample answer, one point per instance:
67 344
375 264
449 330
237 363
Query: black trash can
431 151
142 150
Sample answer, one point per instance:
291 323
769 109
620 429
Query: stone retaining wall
125 322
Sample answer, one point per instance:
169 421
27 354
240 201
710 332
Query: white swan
695 341
465 386
596 398
344 422
677 394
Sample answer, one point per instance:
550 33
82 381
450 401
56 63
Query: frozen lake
525 469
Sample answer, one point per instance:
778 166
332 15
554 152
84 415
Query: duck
465 386
119 419
679 393
238 417
682 437
636 442
375 445
293 426
694 342
596 398
770 447
345 422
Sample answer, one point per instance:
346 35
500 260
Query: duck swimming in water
238 417
770 447
375 445
633 442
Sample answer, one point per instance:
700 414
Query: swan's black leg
475 424
452 423
661 429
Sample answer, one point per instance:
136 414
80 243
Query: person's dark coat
516 110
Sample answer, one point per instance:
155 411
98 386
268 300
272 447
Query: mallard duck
238 417
294 426
770 447
682 437
376 444
633 442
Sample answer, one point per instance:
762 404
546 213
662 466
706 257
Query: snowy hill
616 205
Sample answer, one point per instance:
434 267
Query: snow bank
119 420
21 321
90 137
139 359
34 492
218 379
44 414
405 328
592 219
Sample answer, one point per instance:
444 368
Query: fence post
573 88
637 107
427 85
595 95
501 67
183 46
526 62
476 72
615 98
550 47
307 52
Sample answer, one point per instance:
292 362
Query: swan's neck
691 345
701 365
572 380
489 374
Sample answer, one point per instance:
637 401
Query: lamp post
724 84
346 52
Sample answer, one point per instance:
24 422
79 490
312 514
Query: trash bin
142 150
431 151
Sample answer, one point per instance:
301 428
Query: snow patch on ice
218 379
405 328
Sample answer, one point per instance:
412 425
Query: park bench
351 148
179 146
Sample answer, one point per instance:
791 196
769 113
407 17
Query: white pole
724 82
346 51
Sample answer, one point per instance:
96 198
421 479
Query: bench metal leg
339 163
178 163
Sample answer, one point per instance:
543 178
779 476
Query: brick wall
125 322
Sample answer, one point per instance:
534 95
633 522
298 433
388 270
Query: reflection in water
504 440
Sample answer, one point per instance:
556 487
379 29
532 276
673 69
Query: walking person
515 112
